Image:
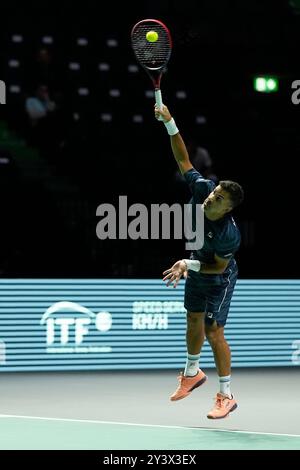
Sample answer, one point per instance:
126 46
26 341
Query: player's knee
214 334
194 319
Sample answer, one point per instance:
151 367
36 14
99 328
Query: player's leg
195 332
218 306
222 354
195 303
192 377
224 400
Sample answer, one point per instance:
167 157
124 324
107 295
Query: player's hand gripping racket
152 44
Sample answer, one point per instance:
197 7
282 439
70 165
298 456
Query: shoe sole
225 416
197 384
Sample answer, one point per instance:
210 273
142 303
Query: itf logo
67 325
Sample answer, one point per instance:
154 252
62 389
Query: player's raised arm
178 146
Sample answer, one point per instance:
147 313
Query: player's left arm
180 268
222 256
225 250
218 267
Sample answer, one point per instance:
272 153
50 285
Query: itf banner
137 324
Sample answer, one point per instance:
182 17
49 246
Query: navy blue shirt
221 237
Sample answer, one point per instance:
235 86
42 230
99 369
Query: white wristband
171 127
192 264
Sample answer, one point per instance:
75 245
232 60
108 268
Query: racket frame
155 74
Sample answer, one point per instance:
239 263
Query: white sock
225 385
192 365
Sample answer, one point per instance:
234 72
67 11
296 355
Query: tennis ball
152 36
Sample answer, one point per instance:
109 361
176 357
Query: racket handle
158 100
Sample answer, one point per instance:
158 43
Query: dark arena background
91 339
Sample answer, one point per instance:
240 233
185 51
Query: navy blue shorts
212 298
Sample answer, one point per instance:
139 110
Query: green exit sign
266 84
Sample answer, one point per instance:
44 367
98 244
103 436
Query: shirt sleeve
228 246
199 186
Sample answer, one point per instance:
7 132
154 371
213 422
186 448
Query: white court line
145 425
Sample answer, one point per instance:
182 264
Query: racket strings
153 55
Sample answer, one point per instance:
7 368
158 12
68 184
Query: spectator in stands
45 68
202 162
43 121
39 105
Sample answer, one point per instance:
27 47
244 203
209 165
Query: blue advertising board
68 324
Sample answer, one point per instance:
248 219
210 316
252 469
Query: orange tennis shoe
223 406
187 385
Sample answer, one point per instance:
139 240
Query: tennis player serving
211 275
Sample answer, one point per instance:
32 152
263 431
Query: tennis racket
153 55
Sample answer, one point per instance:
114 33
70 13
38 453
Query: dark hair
234 190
